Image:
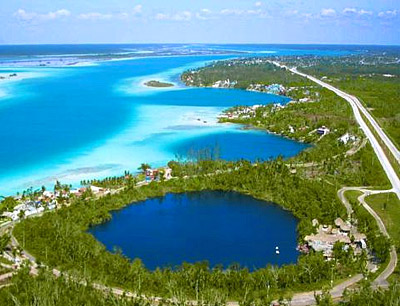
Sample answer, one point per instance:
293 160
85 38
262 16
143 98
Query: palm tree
144 167
21 214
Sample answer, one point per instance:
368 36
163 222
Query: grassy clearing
352 196
388 153
387 206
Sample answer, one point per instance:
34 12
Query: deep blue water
77 123
214 226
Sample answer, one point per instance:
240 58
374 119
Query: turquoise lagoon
76 123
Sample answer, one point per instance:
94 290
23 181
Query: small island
154 83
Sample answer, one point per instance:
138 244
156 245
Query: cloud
389 14
348 10
329 12
58 14
235 12
354 12
291 13
232 12
161 16
180 16
204 14
122 16
23 15
364 12
95 16
258 4
138 9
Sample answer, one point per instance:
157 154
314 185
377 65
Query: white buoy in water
276 248
277 252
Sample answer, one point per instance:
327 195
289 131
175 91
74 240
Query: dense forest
243 71
47 290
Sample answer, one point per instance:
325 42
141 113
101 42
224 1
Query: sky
200 21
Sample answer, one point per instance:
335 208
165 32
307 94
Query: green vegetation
8 204
348 164
154 83
306 185
300 120
243 71
59 239
373 78
367 296
24 290
387 206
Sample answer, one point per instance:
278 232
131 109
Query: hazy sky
202 21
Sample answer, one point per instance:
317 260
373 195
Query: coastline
62 62
88 162
249 126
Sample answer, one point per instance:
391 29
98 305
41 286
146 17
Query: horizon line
198 43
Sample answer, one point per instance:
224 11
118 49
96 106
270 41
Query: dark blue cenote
222 228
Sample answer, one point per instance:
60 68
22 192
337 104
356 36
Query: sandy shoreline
63 61
7 79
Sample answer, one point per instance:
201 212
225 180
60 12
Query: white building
346 138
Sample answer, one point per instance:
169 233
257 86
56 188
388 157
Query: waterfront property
343 232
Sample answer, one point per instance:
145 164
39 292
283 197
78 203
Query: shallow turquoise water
168 231
91 122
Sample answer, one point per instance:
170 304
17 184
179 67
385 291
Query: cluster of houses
29 208
47 200
224 84
98 191
242 112
155 174
276 89
326 237
189 78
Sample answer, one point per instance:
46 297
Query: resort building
326 237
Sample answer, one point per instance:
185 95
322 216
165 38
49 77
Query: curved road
307 298
381 280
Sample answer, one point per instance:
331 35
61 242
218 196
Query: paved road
357 107
386 140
